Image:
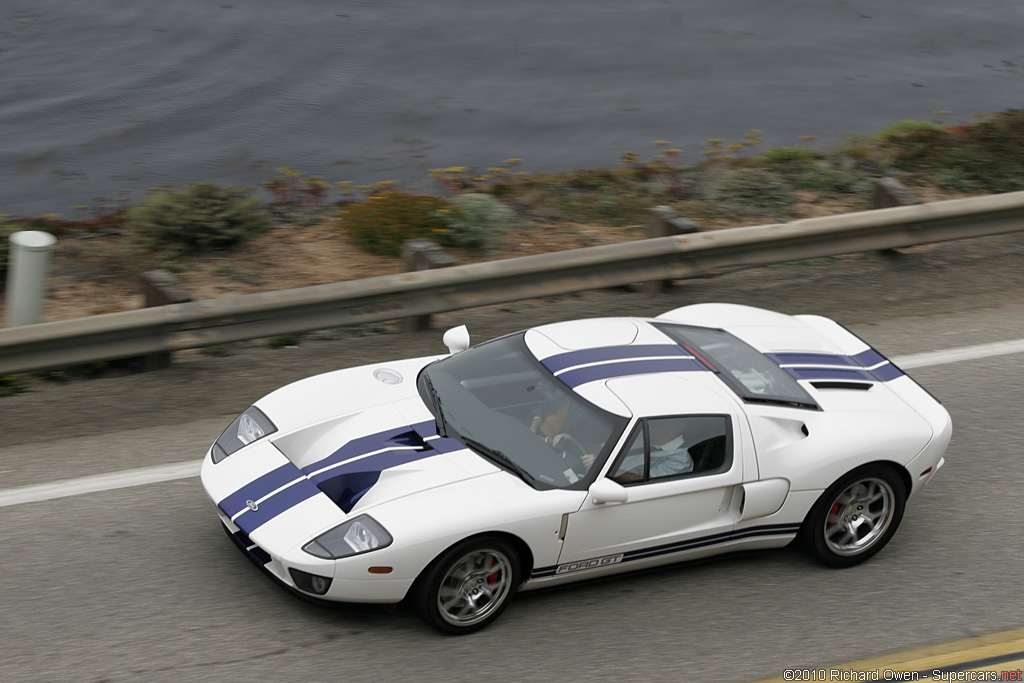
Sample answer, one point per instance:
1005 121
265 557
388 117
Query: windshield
501 402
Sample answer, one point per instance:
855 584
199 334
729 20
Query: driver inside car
669 455
570 432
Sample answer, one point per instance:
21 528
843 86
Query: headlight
359 535
250 426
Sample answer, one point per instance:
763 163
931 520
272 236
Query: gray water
99 97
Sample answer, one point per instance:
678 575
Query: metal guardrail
250 316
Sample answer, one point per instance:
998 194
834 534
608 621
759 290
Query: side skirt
752 538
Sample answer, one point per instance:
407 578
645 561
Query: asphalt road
141 583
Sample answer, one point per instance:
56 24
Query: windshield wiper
442 424
500 458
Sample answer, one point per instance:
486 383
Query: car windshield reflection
499 400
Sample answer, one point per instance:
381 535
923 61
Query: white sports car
575 450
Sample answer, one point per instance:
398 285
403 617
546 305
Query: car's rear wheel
469 585
855 517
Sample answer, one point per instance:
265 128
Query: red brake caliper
834 512
492 578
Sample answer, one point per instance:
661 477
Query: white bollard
28 262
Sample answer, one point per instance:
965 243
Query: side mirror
456 339
604 490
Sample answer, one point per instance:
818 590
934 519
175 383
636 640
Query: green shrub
284 341
955 180
477 221
590 179
828 180
791 156
988 155
753 191
197 219
908 127
6 230
382 223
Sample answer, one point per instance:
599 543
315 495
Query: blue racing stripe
428 429
882 373
887 372
860 367
348 483
812 359
353 476
562 361
593 373
280 502
447 445
830 373
425 429
259 487
869 358
352 473
401 437
374 463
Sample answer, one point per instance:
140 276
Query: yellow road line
924 659
1015 665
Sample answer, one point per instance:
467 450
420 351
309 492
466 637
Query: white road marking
184 470
100 482
924 360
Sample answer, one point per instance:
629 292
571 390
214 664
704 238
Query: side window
666 447
632 464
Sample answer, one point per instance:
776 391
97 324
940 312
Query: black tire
469 585
855 517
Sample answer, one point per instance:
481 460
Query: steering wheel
572 452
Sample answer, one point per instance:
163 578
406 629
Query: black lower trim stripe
691 544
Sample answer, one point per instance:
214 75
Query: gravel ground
856 290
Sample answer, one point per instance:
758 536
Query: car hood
271 496
342 393
381 453
347 438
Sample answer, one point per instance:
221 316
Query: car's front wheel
469 585
855 517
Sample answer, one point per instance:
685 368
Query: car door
679 507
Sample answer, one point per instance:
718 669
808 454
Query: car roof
592 356
627 367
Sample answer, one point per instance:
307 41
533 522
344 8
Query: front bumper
344 589
276 549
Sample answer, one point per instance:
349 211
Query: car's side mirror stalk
605 490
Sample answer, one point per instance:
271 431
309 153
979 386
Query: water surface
111 96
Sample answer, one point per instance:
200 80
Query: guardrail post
160 288
664 222
422 254
890 192
26 276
